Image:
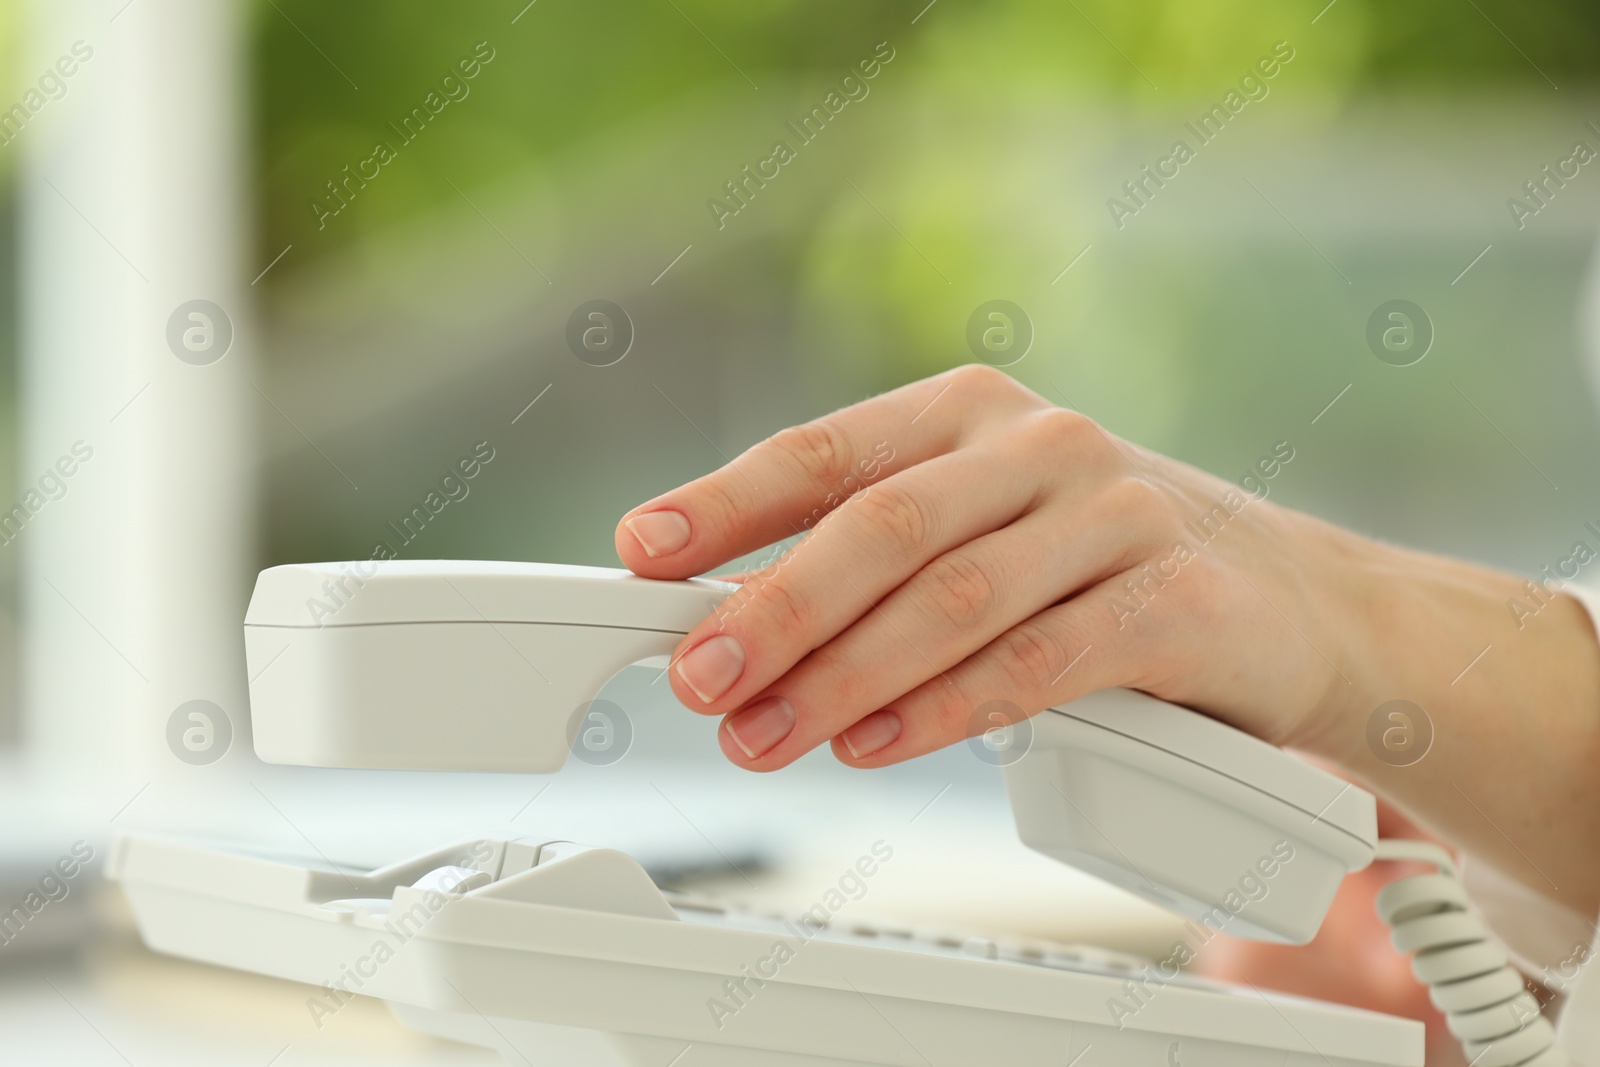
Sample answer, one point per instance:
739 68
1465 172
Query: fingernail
711 667
659 533
871 734
762 725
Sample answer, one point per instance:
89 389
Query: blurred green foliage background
1222 318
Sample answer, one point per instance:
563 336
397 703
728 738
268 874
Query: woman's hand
974 551
971 543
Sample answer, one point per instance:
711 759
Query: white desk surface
120 1005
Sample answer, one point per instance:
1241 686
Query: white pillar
134 582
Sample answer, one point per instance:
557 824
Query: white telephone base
569 956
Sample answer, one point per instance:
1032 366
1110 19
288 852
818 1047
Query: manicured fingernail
711 667
659 533
872 733
762 725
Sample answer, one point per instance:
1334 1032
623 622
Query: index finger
785 484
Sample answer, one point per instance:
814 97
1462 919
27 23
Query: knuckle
960 589
890 510
1063 428
978 378
953 713
784 609
985 387
834 678
1134 499
1030 657
818 447
718 497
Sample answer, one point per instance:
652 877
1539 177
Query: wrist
1507 696
1360 589
1412 627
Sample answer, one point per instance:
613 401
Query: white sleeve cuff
1589 598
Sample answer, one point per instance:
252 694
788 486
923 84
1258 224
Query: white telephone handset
447 665
459 665
1191 814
